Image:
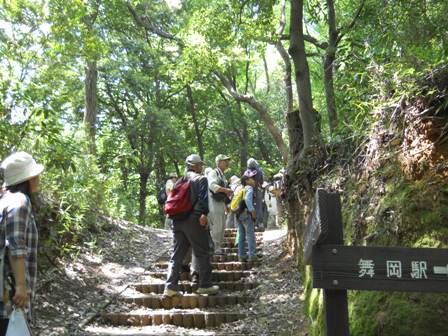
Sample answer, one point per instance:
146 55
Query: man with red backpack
187 205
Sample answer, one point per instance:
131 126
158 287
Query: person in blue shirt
246 220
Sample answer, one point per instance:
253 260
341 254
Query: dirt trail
73 296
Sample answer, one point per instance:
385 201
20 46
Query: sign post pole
338 268
335 300
325 227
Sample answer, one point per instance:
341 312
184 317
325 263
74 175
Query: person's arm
201 204
15 232
20 298
213 181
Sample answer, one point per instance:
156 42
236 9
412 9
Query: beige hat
221 157
19 167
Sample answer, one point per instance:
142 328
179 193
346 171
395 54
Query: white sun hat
19 167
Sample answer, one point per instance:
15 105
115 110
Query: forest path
98 281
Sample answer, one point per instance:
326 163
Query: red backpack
178 204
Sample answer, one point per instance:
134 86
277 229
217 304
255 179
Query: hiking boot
253 258
212 290
242 259
170 293
195 277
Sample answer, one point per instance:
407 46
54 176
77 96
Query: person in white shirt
218 197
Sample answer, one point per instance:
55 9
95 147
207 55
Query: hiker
235 185
18 233
169 185
264 189
207 170
254 168
279 191
219 197
271 202
246 216
193 231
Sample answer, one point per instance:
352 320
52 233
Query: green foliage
379 313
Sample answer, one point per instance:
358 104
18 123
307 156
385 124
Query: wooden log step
232 240
187 301
258 231
217 276
226 250
188 287
231 244
186 319
231 235
234 230
221 266
230 257
220 258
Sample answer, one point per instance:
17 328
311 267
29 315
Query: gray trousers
217 222
188 233
231 220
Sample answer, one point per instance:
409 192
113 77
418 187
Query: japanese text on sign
393 269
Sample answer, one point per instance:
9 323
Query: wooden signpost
337 268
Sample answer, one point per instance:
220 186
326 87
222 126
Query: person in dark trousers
193 231
18 234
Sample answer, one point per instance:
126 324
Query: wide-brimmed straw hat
19 167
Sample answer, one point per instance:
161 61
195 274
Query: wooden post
325 227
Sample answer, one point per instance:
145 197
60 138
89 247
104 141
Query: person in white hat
18 229
218 197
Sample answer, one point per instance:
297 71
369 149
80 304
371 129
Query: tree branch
150 27
260 108
308 38
343 31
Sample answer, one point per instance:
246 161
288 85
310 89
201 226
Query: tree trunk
244 148
195 122
161 176
144 175
287 77
330 58
286 60
302 76
90 101
299 166
265 154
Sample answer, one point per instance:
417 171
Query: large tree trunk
330 58
302 75
91 102
301 162
197 131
